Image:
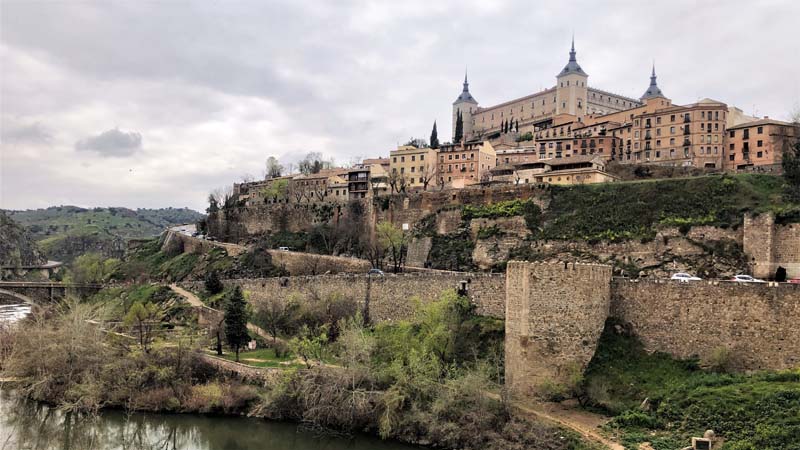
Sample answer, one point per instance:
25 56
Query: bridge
43 292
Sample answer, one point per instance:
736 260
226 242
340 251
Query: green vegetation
236 321
791 171
633 210
759 411
452 251
508 208
266 357
64 232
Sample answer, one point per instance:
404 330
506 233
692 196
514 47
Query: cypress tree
459 128
236 322
516 126
434 137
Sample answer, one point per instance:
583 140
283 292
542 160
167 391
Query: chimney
766 117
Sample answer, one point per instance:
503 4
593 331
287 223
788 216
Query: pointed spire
653 90
572 66
465 95
572 49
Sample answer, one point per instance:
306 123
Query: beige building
759 145
460 165
570 96
569 170
412 168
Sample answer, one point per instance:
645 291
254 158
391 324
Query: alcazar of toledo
574 119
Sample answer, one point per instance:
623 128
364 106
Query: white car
746 279
684 277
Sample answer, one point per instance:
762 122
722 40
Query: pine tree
236 322
791 172
516 126
434 137
459 128
213 283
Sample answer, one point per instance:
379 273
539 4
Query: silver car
684 277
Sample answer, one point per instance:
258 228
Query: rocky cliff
17 247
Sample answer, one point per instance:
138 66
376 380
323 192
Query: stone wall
392 297
757 323
772 245
242 223
555 315
298 263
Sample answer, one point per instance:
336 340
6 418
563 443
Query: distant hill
17 247
65 232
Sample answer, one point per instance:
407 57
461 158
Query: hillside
17 247
64 232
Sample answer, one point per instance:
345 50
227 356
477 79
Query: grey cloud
33 133
112 143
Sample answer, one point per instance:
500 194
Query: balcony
686 131
648 136
687 142
686 119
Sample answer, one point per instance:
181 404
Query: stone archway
18 296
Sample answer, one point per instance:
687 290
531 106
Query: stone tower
571 87
466 104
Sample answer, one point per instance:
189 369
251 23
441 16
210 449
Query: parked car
283 249
794 281
746 279
684 277
374 271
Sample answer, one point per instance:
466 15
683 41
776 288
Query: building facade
413 168
461 165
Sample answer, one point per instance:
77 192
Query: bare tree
273 168
275 314
429 173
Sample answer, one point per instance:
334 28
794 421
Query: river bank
25 425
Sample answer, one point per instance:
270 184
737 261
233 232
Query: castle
573 118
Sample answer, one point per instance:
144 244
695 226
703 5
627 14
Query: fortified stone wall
243 223
555 315
757 323
772 245
392 297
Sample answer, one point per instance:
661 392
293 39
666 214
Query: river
27 425
13 313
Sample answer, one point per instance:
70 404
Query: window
760 130
450 157
672 118
412 170
672 129
402 159
733 133
671 141
394 159
731 157
413 157
759 154
760 144
422 157
412 180
658 120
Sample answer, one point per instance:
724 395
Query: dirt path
196 302
583 422
191 298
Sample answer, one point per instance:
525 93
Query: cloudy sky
155 103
